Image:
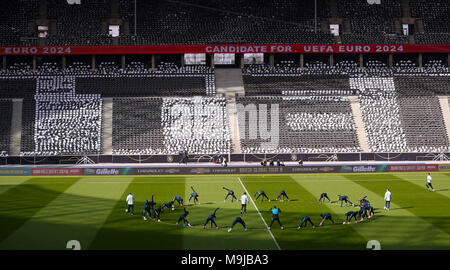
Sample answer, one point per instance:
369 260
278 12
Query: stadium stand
173 106
370 23
219 22
198 125
78 24
5 123
311 124
225 22
14 25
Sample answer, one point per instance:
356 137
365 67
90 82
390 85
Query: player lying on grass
304 222
178 199
183 218
325 216
351 214
261 193
324 196
229 193
236 221
275 211
148 208
194 195
282 194
211 219
343 198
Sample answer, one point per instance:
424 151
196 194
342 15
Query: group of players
365 209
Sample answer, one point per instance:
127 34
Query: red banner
57 171
210 49
413 168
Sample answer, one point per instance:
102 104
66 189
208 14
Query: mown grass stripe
20 203
124 232
429 206
211 196
396 229
10 182
302 203
440 182
76 214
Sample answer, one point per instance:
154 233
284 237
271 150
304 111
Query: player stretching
350 215
363 200
263 194
325 216
344 199
157 213
167 205
178 199
183 218
429 185
211 219
362 213
370 211
305 221
282 194
229 193
323 196
148 208
194 195
236 221
275 211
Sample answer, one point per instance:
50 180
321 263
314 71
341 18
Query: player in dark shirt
343 198
305 221
236 221
324 196
261 193
325 216
283 194
230 193
183 218
194 195
211 219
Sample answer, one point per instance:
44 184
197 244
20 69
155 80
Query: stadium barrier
11 171
175 159
225 48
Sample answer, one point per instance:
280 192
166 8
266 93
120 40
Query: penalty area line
257 210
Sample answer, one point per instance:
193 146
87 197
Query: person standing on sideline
428 185
130 202
387 199
244 201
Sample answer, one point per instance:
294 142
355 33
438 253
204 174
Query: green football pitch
47 212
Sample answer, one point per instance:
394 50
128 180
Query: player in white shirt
130 202
387 199
244 201
428 185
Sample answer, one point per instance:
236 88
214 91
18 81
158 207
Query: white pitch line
254 204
